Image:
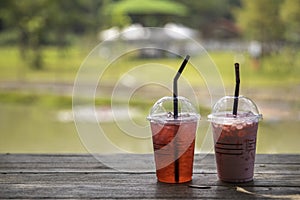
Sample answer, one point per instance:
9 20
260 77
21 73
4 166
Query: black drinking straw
175 89
237 89
175 109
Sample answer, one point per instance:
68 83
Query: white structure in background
180 32
172 37
135 32
138 32
109 34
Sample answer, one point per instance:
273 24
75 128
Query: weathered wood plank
98 167
260 180
143 163
139 192
83 158
124 187
83 176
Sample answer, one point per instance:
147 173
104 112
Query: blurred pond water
29 129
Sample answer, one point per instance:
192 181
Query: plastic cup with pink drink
235 138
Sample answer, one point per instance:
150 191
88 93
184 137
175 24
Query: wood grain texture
37 176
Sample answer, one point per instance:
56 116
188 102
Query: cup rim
221 118
162 118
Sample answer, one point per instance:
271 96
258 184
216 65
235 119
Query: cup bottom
236 180
183 180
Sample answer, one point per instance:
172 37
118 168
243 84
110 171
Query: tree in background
71 19
205 14
40 22
275 25
290 15
146 12
28 18
260 20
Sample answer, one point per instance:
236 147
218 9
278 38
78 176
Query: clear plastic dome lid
162 110
223 110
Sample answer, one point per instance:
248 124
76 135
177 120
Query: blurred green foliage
40 22
290 15
269 20
257 18
32 24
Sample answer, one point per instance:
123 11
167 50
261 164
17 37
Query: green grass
62 66
59 65
34 99
274 70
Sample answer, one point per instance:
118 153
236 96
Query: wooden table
84 176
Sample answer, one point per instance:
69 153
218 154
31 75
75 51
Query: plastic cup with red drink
173 139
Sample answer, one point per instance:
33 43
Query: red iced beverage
235 143
173 143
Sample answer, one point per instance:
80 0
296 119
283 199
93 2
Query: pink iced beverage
235 138
235 146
